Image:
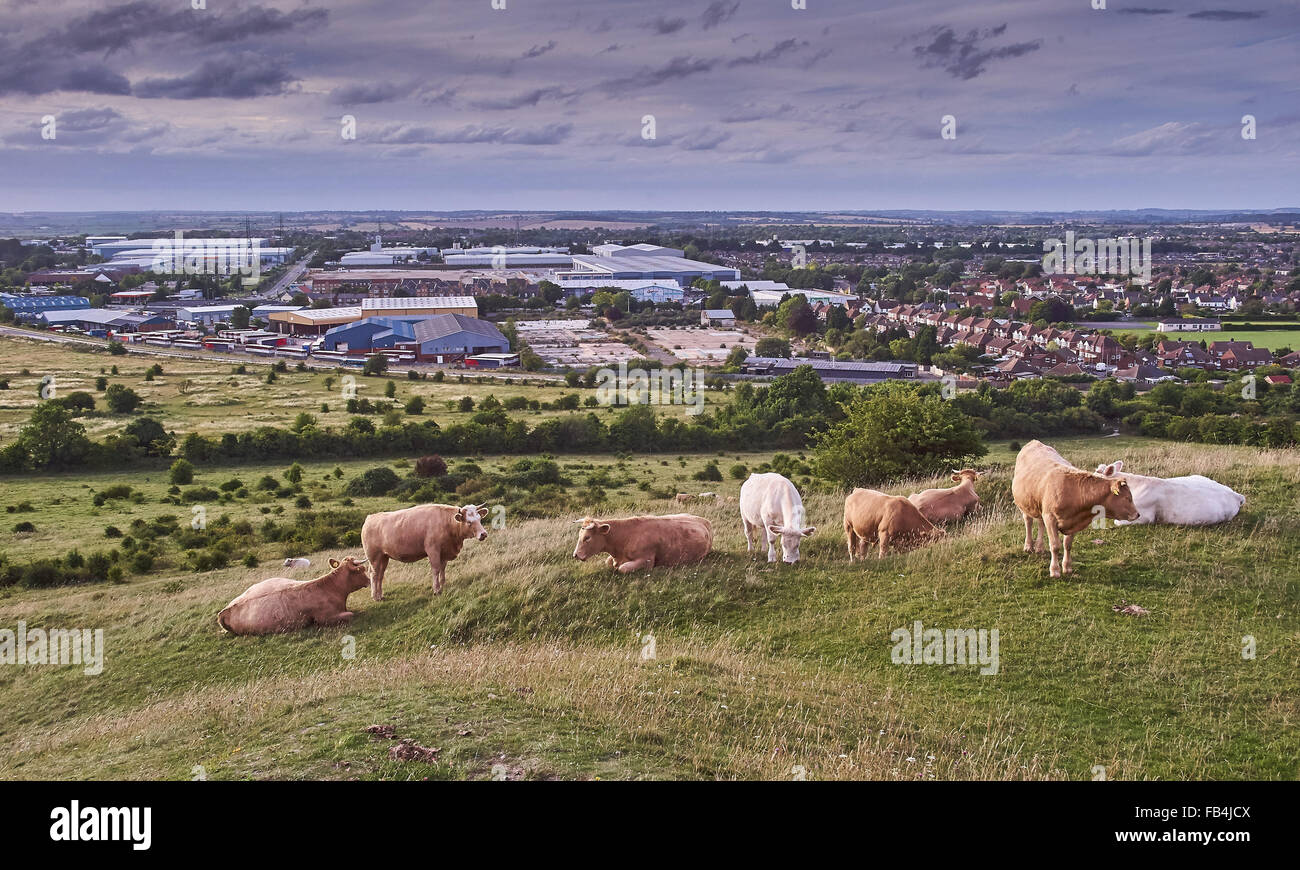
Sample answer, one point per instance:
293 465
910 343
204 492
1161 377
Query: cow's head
470 518
354 572
790 537
1110 470
592 538
967 474
1118 500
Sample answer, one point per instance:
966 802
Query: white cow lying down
1178 501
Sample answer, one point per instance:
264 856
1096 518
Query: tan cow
280 604
950 504
433 531
1065 500
683 497
872 517
645 542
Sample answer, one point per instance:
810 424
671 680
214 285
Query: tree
892 431
772 347
121 400
415 405
51 438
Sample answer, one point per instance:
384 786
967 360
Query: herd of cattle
1048 490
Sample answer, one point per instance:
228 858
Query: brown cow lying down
951 504
645 542
1066 500
872 517
433 531
280 604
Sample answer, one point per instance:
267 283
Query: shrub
739 471
430 466
375 481
708 472
181 473
24 527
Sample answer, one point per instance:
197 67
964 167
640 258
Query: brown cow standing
871 517
645 542
433 531
951 504
281 604
1066 500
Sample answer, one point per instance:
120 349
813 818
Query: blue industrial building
430 337
30 306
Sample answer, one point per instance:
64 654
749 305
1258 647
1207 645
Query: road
291 275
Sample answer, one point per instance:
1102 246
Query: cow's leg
439 574
1053 542
749 535
378 564
1029 532
337 618
1040 540
1067 566
771 544
884 544
636 565
851 539
611 561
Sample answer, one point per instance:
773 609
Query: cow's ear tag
1114 489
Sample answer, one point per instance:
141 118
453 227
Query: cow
951 504
770 502
683 497
872 517
1178 501
433 531
280 604
1065 500
645 542
298 562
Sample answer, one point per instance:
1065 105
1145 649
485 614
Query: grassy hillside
210 398
534 665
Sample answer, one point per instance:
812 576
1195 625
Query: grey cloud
239 77
530 98
539 50
1143 10
363 93
717 12
664 26
474 134
677 68
783 47
1225 15
966 57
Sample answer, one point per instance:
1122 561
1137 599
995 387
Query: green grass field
532 665
1269 338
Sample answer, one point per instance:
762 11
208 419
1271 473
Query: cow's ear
1119 464
808 531
603 528
776 530
334 563
957 478
460 516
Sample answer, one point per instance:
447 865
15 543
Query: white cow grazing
1178 501
770 502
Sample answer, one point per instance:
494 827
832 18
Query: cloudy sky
756 105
